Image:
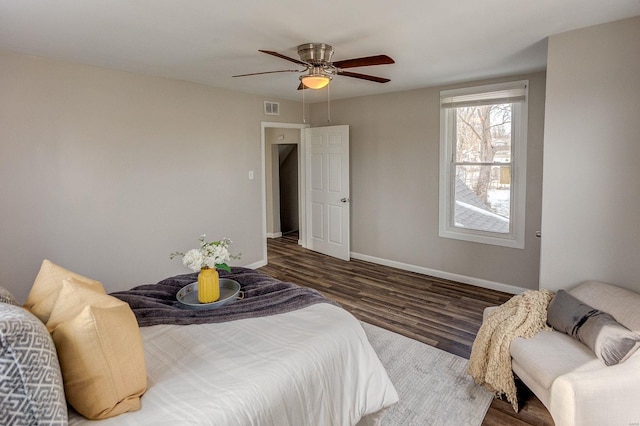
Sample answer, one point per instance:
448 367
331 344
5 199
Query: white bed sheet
313 366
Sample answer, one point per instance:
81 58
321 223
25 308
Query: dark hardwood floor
441 313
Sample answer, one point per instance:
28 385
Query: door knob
344 200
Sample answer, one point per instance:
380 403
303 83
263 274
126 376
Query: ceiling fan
318 68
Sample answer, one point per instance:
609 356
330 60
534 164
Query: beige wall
107 172
394 188
591 200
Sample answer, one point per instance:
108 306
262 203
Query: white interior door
327 190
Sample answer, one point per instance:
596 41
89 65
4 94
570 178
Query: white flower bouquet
214 254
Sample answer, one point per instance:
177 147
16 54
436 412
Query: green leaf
223 266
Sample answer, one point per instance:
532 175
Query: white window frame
501 93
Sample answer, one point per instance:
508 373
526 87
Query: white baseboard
441 274
274 235
256 265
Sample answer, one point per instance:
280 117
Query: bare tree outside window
483 157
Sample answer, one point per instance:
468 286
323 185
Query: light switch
250 174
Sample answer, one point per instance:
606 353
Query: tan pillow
102 361
74 295
47 286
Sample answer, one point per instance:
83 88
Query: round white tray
188 295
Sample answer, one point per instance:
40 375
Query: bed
284 355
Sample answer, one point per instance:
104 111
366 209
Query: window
483 145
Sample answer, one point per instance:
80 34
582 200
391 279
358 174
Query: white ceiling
208 41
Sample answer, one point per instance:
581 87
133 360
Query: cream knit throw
490 363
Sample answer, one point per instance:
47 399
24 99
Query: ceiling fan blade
302 86
265 72
363 62
278 55
364 76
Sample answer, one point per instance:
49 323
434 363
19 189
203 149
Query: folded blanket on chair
490 362
155 304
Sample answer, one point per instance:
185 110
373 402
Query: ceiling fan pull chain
329 103
304 116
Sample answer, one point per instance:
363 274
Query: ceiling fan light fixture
318 68
315 81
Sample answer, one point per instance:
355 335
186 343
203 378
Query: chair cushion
550 354
31 391
46 288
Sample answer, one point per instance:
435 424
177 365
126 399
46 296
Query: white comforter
313 366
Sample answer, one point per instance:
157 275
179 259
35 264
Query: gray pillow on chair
611 341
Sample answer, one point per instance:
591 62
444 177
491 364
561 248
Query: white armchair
577 388
598 396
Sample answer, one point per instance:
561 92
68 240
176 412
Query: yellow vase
208 285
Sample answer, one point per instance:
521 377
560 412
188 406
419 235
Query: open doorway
284 181
288 189
323 195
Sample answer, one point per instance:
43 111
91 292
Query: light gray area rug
433 385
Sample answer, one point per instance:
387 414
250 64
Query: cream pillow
102 361
74 295
47 286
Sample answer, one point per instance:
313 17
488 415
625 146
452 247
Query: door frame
301 180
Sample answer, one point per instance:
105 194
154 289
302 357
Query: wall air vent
271 108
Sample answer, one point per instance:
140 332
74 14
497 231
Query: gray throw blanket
155 304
